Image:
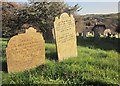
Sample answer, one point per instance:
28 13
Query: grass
96 64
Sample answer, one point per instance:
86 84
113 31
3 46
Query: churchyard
96 64
31 58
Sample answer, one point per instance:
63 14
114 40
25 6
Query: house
99 28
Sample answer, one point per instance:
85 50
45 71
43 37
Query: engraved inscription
65 35
25 51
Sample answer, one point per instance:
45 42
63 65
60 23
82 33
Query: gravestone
106 32
25 51
96 34
65 36
53 33
84 34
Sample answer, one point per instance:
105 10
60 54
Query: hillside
110 20
96 65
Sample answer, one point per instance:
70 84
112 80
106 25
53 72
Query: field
96 64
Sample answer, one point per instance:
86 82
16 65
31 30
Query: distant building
79 24
100 28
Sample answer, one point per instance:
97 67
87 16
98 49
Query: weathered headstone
25 51
96 34
53 33
106 32
65 35
84 34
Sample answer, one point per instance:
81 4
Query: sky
91 6
96 7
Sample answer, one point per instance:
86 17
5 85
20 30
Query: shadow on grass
98 83
4 66
51 41
52 56
102 43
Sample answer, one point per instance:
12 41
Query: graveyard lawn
93 66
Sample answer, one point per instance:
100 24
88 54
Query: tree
37 14
9 17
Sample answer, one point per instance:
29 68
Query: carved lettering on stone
65 35
25 51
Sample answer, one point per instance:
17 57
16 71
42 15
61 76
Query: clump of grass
92 66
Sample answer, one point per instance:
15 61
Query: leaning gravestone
25 51
65 36
96 34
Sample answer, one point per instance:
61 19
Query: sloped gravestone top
65 35
25 51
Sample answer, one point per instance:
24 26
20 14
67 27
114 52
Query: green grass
96 64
